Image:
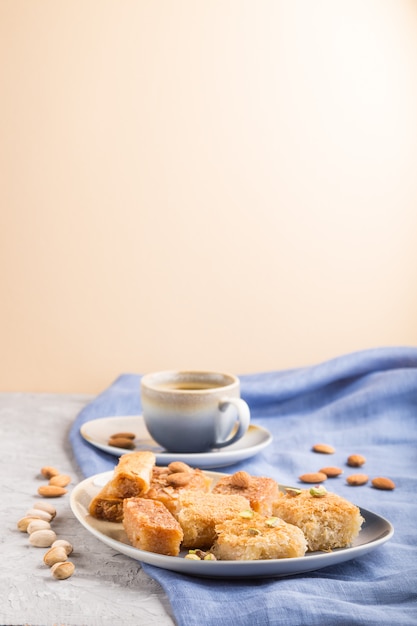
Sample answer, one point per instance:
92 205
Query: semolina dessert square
255 537
150 526
167 485
133 474
200 512
261 491
328 521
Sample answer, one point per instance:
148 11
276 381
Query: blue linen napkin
360 403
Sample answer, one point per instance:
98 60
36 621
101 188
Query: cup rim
152 380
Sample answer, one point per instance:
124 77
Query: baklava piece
132 477
106 506
133 474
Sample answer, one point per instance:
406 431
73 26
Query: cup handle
243 415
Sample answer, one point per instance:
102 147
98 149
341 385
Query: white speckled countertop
106 588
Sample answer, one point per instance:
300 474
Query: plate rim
271 568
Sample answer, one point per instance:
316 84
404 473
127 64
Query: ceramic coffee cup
193 411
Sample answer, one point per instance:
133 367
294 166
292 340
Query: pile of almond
354 480
123 440
56 482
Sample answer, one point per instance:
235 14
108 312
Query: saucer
97 432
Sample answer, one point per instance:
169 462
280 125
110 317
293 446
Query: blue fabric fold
364 403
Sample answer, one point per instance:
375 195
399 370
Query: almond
121 442
62 480
314 477
51 491
356 460
383 483
323 448
48 471
241 480
355 480
123 436
179 479
331 472
178 466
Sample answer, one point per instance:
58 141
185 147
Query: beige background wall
212 184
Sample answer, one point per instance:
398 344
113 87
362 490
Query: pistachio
48 471
42 538
291 491
254 531
200 555
246 514
40 514
272 522
37 524
63 570
51 491
63 543
318 491
24 522
45 506
192 556
54 555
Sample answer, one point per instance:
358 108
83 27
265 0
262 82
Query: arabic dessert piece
259 490
253 536
132 477
150 526
327 520
200 512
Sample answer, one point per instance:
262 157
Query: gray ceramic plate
375 531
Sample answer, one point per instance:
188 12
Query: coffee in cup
193 411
